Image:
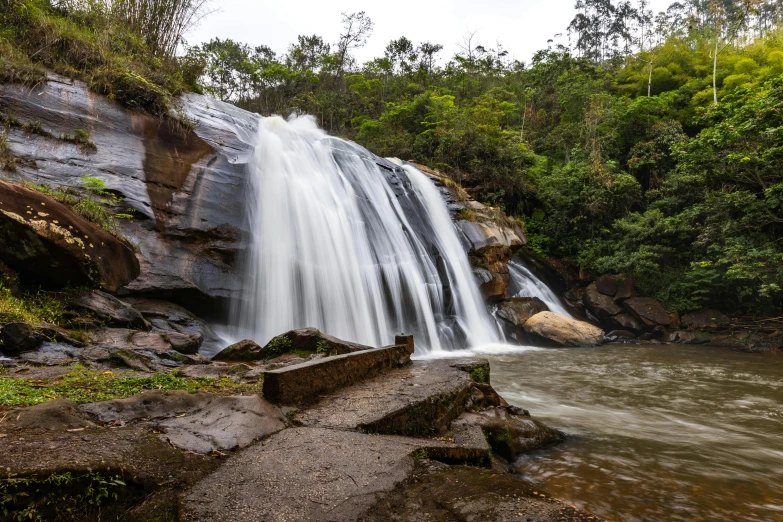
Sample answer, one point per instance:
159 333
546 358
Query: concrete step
418 400
307 382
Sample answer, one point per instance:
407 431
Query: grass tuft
36 309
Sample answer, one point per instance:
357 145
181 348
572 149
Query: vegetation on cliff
651 146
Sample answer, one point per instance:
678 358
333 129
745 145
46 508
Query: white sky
522 26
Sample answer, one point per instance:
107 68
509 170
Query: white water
525 284
352 245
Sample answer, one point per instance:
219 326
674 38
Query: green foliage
88 41
322 347
59 496
84 385
480 374
278 346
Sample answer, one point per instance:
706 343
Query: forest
634 142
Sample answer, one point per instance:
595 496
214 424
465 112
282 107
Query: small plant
322 348
278 346
35 127
7 160
480 375
35 309
80 137
420 454
465 214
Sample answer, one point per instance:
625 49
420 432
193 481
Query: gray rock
245 351
706 319
648 311
600 304
184 343
109 309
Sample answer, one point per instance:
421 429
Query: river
669 433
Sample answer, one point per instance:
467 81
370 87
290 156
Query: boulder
20 337
648 311
109 309
246 350
607 284
706 319
600 303
310 340
47 242
619 335
626 288
518 310
685 338
625 321
492 286
184 343
553 329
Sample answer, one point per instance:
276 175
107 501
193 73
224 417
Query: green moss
83 385
466 214
59 496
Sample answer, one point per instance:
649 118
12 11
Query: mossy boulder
46 242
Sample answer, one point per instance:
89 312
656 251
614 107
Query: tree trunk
715 72
649 80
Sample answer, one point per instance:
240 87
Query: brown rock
246 350
110 310
20 337
599 303
553 329
184 343
706 319
626 288
46 241
625 321
607 284
648 311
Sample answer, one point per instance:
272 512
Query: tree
357 28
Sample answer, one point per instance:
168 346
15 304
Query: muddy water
656 433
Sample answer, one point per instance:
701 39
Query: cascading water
353 245
525 284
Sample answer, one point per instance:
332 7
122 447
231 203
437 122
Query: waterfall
525 284
353 245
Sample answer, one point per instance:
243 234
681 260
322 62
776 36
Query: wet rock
50 354
625 321
169 317
450 493
648 311
518 310
510 435
685 338
217 370
706 319
20 337
599 303
149 341
619 335
199 422
110 310
184 343
492 286
552 329
246 350
46 242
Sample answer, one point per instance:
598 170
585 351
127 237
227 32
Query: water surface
670 433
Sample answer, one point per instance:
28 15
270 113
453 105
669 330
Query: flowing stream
354 245
657 433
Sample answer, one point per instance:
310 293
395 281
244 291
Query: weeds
84 385
36 309
59 496
7 160
35 127
80 137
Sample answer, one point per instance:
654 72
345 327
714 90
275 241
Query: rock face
246 350
554 329
186 184
488 236
46 242
706 319
603 305
519 309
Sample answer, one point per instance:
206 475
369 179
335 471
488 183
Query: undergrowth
83 385
37 309
89 46
59 496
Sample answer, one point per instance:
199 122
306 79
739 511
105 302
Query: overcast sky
522 26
